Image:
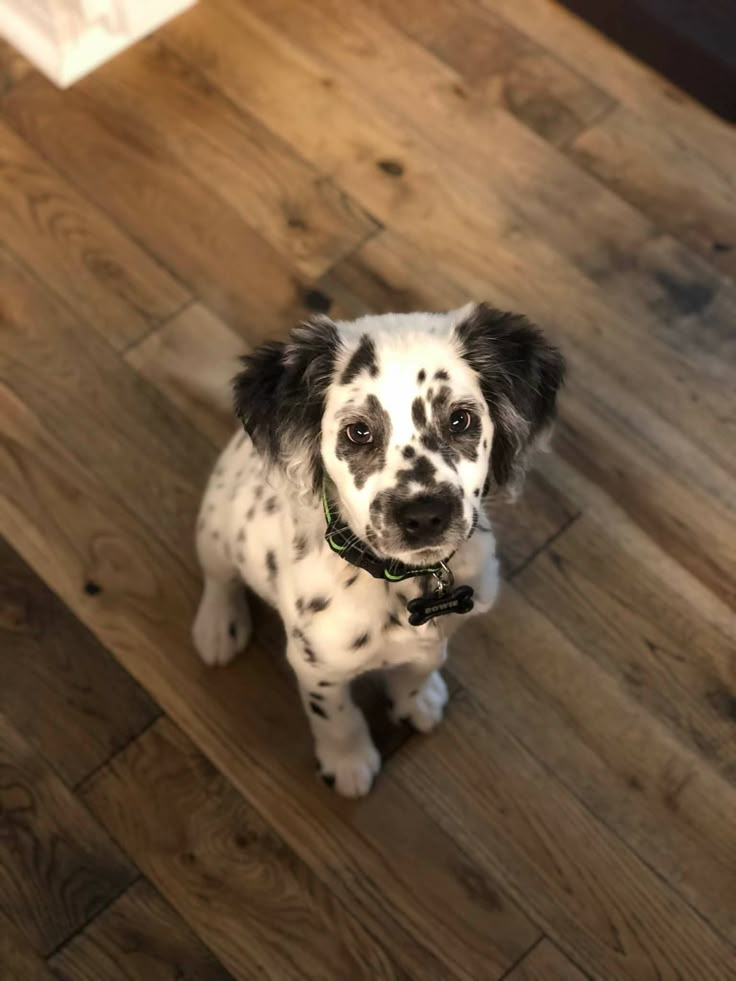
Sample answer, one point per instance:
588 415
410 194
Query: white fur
251 511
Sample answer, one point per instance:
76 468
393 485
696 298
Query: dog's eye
460 421
359 432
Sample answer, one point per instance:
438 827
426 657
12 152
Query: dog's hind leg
223 626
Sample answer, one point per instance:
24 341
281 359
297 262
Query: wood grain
296 209
113 284
57 868
246 894
191 360
591 723
184 224
61 369
592 897
455 917
60 687
13 67
656 171
545 963
509 69
138 937
17 959
623 77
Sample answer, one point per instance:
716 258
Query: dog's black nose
423 518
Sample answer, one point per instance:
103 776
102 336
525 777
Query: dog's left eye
460 421
359 432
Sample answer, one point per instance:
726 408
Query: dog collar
445 599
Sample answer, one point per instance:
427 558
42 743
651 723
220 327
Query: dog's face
405 437
408 418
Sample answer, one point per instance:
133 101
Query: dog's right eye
359 432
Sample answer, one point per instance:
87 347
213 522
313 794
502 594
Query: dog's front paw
222 627
351 773
423 709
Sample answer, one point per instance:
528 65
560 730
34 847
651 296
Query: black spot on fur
391 621
309 654
280 393
241 535
351 580
520 374
317 709
360 641
250 512
232 630
299 604
408 452
326 684
422 472
366 459
301 547
362 359
271 564
271 506
92 588
441 375
318 604
259 492
476 492
419 413
391 167
421 376
317 695
328 779
317 301
721 247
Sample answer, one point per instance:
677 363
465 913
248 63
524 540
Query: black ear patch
280 392
520 374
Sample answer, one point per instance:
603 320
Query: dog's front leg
417 689
347 758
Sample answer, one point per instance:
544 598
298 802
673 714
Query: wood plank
501 161
60 687
13 67
188 227
139 936
656 171
112 283
190 360
545 963
57 365
302 214
623 77
244 891
19 963
57 867
604 587
594 898
497 60
446 921
598 725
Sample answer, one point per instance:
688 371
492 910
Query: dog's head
412 418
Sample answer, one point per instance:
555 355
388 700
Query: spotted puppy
354 497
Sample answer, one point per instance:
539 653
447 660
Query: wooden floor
575 816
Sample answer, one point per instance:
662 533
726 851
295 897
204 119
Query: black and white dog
352 503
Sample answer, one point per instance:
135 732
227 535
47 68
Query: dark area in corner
691 44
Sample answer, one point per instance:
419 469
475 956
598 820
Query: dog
352 502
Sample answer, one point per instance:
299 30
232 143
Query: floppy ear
520 373
280 394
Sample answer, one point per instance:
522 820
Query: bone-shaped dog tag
424 608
